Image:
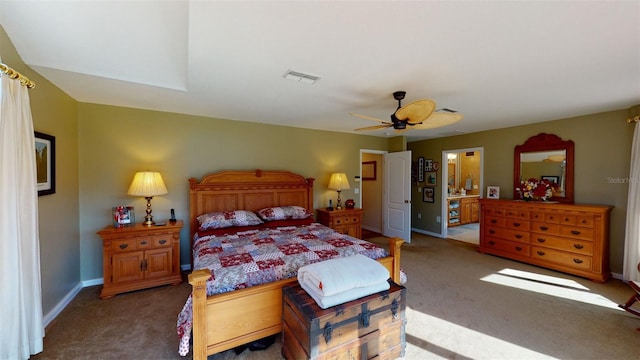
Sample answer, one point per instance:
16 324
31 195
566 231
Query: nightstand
344 221
139 257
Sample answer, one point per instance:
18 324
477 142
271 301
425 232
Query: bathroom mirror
545 156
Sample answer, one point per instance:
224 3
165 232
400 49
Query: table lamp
147 184
339 182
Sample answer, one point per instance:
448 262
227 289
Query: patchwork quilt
259 256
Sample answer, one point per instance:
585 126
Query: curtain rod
13 74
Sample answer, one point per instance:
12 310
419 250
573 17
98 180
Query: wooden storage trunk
372 326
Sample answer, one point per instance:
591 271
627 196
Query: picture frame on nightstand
123 216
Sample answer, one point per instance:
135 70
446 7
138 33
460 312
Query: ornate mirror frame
546 142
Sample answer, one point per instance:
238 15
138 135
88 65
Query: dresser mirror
545 156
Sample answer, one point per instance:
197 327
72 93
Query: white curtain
632 237
21 328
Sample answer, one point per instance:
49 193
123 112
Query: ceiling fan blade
375 127
439 119
417 111
369 118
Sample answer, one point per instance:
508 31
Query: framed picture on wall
45 163
420 169
369 169
431 178
428 194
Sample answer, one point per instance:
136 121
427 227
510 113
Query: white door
396 196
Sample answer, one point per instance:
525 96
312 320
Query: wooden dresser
564 237
344 221
138 257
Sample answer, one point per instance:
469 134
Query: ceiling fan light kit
419 115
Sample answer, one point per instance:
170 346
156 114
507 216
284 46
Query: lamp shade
339 182
147 184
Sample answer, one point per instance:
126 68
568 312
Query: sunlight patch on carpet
444 337
549 285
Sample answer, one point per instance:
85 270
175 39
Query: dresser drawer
572 260
517 224
508 234
507 246
559 243
517 214
579 220
545 228
548 217
494 221
575 232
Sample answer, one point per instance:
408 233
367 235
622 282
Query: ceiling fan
417 115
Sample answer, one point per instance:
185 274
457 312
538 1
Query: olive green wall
602 159
54 113
115 142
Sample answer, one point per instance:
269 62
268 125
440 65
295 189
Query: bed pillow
219 220
283 213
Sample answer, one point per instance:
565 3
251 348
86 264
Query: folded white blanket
343 297
338 275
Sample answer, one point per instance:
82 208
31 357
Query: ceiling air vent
301 77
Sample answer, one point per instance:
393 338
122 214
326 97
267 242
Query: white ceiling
500 63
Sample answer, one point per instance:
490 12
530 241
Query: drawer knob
143 242
494 221
541 253
518 236
124 246
577 261
575 232
518 248
578 246
492 231
492 242
516 224
544 228
541 240
162 242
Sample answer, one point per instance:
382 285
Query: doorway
386 196
462 180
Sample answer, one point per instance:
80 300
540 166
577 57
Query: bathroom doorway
463 187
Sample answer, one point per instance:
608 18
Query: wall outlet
419 215
356 190
438 218
475 187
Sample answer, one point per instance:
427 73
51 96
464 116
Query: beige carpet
461 305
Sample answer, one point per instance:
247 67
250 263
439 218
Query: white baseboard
61 305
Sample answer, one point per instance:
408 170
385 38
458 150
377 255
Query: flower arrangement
534 189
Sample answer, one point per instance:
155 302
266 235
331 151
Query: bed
223 321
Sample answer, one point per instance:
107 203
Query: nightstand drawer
124 245
343 220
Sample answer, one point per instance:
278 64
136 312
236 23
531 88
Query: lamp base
148 219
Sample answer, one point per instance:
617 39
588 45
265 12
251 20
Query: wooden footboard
222 322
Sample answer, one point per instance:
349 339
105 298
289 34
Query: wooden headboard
247 190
